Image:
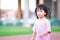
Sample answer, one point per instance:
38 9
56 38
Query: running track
54 36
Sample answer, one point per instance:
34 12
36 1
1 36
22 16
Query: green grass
55 29
17 30
6 31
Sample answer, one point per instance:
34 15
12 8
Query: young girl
41 28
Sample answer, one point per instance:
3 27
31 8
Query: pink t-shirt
41 27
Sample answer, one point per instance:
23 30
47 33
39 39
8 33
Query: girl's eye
41 11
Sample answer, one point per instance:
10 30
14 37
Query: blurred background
18 16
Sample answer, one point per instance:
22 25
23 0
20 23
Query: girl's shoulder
47 20
36 20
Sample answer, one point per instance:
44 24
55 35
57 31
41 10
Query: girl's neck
42 18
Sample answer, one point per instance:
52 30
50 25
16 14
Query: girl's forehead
39 9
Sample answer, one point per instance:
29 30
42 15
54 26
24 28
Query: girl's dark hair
44 7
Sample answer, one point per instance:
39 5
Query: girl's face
40 13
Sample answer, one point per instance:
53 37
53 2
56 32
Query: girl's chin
40 17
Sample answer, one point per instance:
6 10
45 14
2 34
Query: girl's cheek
38 14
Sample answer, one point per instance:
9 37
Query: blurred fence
20 22
55 22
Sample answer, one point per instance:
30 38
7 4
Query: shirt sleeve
34 27
48 26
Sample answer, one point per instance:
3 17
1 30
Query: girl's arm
34 36
41 35
46 33
48 28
